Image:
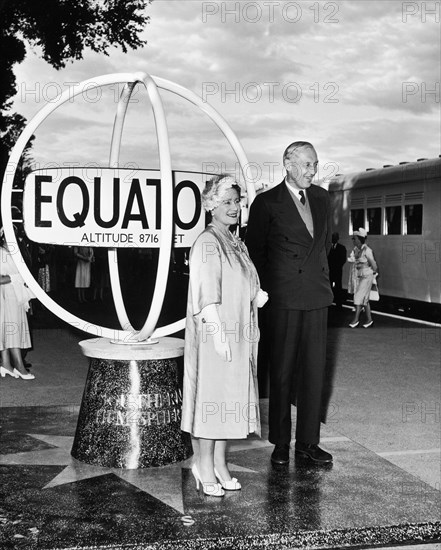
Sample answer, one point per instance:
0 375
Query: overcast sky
359 79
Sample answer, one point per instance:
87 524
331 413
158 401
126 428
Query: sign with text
110 207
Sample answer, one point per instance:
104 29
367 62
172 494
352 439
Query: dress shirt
304 209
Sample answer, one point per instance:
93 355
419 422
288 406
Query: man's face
301 167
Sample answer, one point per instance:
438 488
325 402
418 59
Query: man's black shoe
280 454
313 452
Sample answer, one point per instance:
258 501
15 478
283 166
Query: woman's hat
361 232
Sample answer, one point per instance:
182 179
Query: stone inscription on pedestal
130 415
151 409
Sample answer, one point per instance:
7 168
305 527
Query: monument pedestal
130 414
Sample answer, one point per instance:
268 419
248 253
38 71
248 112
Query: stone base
130 414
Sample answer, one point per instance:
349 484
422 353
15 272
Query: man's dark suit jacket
337 258
292 266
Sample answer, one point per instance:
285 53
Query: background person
336 259
29 252
84 257
14 328
220 397
100 274
289 237
44 277
361 276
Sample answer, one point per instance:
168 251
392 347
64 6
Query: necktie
302 197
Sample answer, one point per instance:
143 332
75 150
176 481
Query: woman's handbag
374 296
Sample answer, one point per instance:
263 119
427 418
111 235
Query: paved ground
383 428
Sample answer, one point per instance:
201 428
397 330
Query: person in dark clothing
337 259
288 238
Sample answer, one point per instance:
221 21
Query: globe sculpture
130 412
126 333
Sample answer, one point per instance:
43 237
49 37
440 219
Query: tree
62 29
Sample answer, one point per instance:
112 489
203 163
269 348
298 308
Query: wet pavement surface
382 489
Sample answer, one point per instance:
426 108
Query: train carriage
400 207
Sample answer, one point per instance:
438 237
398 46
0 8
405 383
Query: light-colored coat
220 398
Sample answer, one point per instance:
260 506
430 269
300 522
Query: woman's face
356 241
228 211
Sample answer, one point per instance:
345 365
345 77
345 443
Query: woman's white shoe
209 488
27 376
230 485
4 372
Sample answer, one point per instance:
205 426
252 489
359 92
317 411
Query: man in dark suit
336 259
288 238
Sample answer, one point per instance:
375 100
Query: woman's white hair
215 189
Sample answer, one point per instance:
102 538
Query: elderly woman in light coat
220 397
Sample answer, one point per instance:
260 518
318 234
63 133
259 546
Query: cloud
372 143
388 63
328 72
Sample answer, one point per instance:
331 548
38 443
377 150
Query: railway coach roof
416 172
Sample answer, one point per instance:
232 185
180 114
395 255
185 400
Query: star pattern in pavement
159 482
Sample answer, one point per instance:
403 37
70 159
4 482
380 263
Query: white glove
261 298
222 346
212 328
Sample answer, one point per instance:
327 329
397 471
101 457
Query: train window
393 220
413 219
357 219
374 221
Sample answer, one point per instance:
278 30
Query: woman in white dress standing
220 398
364 268
14 328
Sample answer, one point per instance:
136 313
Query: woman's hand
222 345
210 315
261 298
